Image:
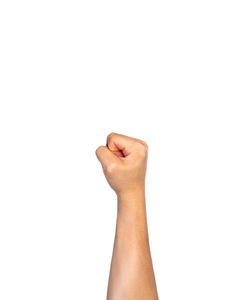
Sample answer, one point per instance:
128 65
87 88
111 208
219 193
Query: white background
174 73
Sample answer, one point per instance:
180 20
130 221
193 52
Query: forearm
131 275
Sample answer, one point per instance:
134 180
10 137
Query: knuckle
97 150
145 145
110 168
111 135
143 149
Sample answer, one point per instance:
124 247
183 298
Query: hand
124 162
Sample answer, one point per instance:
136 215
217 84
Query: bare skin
124 161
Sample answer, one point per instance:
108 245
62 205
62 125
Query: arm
124 162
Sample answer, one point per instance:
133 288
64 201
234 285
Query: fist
124 162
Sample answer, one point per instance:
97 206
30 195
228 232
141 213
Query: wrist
132 200
131 213
135 194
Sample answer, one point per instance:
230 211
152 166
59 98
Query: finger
105 156
118 153
120 143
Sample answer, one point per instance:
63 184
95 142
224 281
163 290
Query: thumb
105 156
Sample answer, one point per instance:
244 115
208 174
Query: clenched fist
124 161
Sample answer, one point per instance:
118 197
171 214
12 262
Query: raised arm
124 161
